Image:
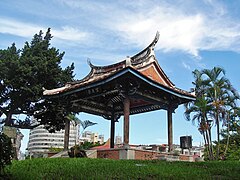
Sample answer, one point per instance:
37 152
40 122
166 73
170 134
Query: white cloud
70 34
23 29
13 27
186 66
188 27
190 32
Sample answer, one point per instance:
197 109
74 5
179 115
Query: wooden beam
152 98
89 109
109 92
126 104
89 103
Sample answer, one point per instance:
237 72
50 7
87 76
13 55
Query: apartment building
40 140
92 137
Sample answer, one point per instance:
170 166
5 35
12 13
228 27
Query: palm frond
86 123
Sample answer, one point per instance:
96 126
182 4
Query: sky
194 34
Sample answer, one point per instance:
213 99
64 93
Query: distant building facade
16 138
118 140
40 140
89 136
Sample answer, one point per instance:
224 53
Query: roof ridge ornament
128 61
156 39
89 63
146 53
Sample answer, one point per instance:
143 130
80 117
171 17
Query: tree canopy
215 100
23 75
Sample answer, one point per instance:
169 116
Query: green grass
76 168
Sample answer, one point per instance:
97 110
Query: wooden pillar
112 132
66 134
126 110
170 131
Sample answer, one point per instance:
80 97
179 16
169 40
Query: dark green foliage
24 73
6 152
86 168
232 151
52 114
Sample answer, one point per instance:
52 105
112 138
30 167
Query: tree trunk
8 121
66 134
210 139
205 142
218 137
208 142
228 138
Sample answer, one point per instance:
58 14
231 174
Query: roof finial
128 61
156 39
89 62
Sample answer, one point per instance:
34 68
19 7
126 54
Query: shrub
77 151
6 152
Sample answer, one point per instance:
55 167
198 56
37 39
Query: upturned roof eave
68 91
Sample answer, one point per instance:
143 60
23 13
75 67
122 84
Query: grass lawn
76 168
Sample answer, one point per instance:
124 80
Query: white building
118 140
40 140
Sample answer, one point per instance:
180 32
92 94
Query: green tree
215 100
219 92
199 110
24 73
232 113
230 142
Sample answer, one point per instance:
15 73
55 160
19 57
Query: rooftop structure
132 86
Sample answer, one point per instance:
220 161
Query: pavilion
132 86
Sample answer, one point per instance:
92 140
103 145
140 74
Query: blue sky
193 35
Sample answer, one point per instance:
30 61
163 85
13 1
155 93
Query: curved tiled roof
143 62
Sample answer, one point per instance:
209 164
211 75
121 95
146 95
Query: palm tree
219 89
200 109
